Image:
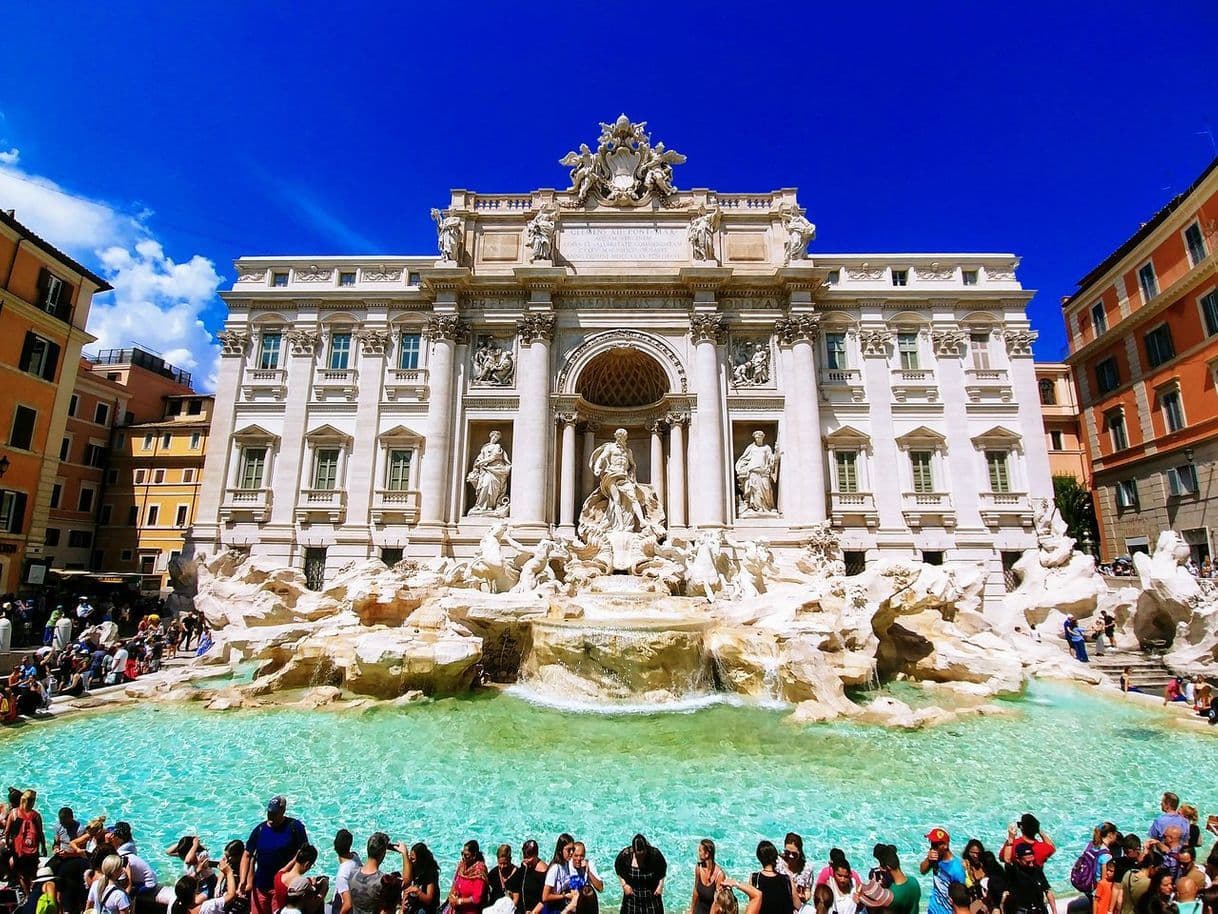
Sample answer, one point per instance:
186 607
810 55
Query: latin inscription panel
601 243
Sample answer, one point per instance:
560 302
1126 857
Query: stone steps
1146 671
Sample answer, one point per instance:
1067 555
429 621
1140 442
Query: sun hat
44 875
874 895
938 836
1029 823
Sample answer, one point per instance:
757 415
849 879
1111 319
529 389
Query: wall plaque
607 243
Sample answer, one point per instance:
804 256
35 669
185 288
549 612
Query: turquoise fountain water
497 768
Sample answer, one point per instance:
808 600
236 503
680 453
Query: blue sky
160 141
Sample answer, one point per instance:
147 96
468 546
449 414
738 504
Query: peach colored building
1143 335
1063 431
44 305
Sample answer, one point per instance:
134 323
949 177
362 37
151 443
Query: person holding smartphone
945 869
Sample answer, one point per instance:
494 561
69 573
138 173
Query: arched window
1048 392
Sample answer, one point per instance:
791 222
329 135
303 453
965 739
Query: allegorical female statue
756 472
489 477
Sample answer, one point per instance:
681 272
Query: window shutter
17 519
52 361
63 310
27 350
44 280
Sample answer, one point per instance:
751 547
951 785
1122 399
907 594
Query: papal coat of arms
625 170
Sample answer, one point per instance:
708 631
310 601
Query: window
195 407
166 440
121 438
835 348
1055 440
414 279
268 351
970 277
1148 282
1159 346
106 511
409 356
12 511
133 515
1195 243
73 402
1048 392
65 449
139 477
1099 318
22 434
196 438
1182 480
325 468
923 476
179 519
1127 494
111 477
55 295
56 494
52 536
279 280
39 357
101 413
907 348
847 470
80 539
158 476
1209 310
833 278
1173 411
1000 475
979 345
84 501
900 277
148 439
125 555
1116 428
154 512
340 351
346 278
1107 375
147 564
397 475
253 464
188 475
95 455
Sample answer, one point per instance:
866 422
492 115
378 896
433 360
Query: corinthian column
707 504
803 470
530 443
442 334
676 470
566 483
657 458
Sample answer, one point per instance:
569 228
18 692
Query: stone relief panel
1019 342
314 274
381 274
948 342
251 274
751 362
865 272
233 342
493 362
874 342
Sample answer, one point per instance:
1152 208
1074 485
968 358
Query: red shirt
1041 850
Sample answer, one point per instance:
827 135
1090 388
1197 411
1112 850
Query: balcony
241 502
998 505
406 384
987 384
918 383
842 385
855 507
265 382
329 505
397 505
335 383
920 507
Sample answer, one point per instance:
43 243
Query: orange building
44 306
95 406
1143 332
1063 428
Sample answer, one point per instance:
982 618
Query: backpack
1082 874
26 842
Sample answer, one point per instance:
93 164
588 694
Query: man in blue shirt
944 868
1168 817
271 845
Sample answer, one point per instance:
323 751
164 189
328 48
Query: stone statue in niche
702 233
799 232
539 234
625 501
756 474
494 364
489 477
751 363
449 232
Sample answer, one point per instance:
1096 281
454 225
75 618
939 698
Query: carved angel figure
539 234
799 232
584 177
448 235
655 174
702 233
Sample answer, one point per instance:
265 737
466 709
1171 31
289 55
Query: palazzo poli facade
402 406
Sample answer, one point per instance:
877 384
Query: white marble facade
356 393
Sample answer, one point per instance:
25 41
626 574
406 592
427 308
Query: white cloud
11 157
157 302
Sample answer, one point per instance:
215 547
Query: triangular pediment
399 434
327 434
923 435
847 434
255 434
998 436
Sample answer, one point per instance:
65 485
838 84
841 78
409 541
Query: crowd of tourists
98 868
73 659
